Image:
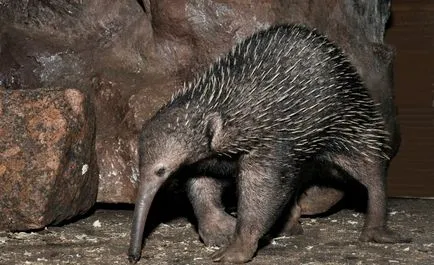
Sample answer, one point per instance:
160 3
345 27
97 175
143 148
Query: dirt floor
102 238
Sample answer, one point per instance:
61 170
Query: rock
118 165
47 159
188 35
133 54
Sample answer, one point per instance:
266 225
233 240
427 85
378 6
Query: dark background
411 32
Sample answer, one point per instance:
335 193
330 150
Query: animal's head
166 143
162 154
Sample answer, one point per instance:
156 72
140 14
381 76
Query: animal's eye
161 171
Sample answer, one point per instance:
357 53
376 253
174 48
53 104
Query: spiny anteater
284 97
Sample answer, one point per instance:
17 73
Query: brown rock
47 162
118 166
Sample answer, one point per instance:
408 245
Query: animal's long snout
145 196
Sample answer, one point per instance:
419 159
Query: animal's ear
214 129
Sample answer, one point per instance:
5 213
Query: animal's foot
235 253
217 230
382 235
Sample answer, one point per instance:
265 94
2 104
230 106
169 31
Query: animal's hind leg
373 176
215 226
262 194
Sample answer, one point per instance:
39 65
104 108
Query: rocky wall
128 57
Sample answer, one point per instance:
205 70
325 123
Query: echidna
284 97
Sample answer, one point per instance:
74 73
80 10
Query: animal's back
289 84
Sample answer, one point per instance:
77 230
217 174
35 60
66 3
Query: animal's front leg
262 195
215 225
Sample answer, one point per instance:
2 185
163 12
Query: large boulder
47 161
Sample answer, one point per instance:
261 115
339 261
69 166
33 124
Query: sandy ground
102 238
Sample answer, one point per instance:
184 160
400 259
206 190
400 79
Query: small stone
84 169
97 223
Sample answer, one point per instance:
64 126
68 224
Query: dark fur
282 98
